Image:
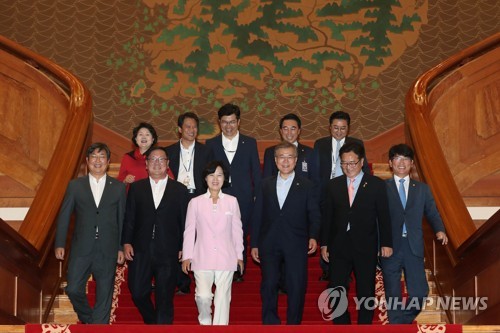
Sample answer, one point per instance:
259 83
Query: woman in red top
133 165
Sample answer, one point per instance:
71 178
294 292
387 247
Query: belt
191 190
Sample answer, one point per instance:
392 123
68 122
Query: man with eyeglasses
285 226
355 228
152 238
326 153
409 201
240 156
98 202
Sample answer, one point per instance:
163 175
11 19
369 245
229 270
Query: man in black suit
239 154
355 228
285 225
98 202
152 238
290 126
409 201
187 159
327 159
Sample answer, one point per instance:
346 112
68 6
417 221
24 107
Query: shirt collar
94 179
290 178
153 183
207 194
407 179
226 140
189 149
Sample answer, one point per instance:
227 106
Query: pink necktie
350 190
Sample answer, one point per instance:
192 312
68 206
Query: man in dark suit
285 225
98 202
152 238
187 159
290 126
327 159
409 202
239 154
355 228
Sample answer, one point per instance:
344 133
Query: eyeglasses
161 160
401 158
95 157
349 164
231 122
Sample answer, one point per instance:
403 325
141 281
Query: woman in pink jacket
213 246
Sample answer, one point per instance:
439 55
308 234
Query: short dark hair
354 147
211 167
147 126
341 115
153 148
291 116
99 146
182 117
401 150
227 110
285 145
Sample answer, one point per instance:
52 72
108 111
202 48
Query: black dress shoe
282 291
183 291
237 277
324 277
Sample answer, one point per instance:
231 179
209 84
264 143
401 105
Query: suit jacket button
97 212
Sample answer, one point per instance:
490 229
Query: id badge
304 166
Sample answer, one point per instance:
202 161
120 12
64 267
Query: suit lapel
412 188
239 148
107 190
88 190
163 201
361 189
220 146
175 160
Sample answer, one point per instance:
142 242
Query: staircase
246 303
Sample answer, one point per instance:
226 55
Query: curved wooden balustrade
42 138
452 120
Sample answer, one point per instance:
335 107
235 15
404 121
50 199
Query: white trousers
203 296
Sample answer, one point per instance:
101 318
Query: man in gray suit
409 201
98 202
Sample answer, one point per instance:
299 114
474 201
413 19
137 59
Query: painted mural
313 54
150 60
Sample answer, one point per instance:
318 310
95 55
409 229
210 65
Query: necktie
350 190
402 196
338 170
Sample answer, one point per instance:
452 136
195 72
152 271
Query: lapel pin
364 185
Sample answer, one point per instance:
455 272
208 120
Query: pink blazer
213 236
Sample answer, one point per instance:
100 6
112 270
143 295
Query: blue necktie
402 196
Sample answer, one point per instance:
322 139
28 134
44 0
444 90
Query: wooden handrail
28 254
470 264
431 160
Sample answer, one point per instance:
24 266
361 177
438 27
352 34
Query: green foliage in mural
256 51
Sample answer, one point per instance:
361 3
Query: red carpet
48 328
245 303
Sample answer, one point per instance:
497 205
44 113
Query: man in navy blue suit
285 226
409 202
188 159
239 154
290 126
327 159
